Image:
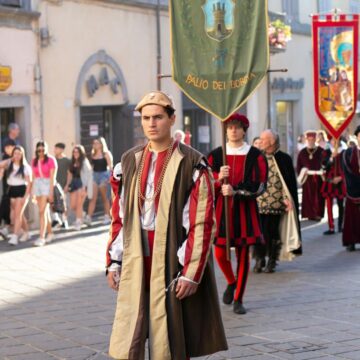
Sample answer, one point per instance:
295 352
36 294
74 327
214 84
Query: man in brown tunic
158 254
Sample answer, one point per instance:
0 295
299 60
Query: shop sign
287 84
5 77
94 130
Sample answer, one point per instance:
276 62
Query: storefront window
284 120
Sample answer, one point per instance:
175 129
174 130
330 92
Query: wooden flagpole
226 199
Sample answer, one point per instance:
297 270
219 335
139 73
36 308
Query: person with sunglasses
18 177
44 170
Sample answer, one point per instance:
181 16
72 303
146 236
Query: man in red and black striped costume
158 254
247 175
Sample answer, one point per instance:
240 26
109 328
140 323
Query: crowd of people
171 204
56 184
324 167
171 201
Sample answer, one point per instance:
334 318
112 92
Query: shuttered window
325 6
11 3
291 9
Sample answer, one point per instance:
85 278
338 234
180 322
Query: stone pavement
55 304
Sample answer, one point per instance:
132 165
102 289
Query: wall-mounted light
44 37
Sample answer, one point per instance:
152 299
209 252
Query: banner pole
336 149
226 199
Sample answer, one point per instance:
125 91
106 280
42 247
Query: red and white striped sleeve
115 244
200 225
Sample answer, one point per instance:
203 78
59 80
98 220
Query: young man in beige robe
158 254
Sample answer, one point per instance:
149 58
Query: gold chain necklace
311 152
141 196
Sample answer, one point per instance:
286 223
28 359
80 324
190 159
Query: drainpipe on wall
38 90
158 45
38 83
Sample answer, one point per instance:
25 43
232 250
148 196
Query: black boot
260 263
274 252
350 247
270 267
239 308
329 232
228 295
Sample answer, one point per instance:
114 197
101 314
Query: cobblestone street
55 304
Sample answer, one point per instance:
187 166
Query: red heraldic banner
335 49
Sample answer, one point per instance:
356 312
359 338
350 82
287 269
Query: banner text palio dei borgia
220 51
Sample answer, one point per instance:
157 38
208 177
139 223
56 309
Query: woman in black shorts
77 182
19 177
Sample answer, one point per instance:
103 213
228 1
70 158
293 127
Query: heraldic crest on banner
219 18
335 70
220 51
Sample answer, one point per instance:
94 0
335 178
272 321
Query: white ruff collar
242 150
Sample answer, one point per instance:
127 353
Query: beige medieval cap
155 98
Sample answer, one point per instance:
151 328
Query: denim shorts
101 178
75 184
41 187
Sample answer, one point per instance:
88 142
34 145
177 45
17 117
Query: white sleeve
117 172
117 247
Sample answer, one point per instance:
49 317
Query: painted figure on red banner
247 174
309 175
333 186
158 254
351 166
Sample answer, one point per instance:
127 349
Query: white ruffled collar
241 150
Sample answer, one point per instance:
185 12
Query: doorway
7 116
114 123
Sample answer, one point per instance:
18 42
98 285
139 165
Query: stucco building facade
79 67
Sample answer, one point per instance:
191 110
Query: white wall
78 30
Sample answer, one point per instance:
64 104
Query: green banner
220 51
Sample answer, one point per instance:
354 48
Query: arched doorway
102 104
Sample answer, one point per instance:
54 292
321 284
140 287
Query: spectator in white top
19 177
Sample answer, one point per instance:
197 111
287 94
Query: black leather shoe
329 232
228 295
260 263
350 247
239 308
270 267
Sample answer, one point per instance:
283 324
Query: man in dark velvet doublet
309 161
351 167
